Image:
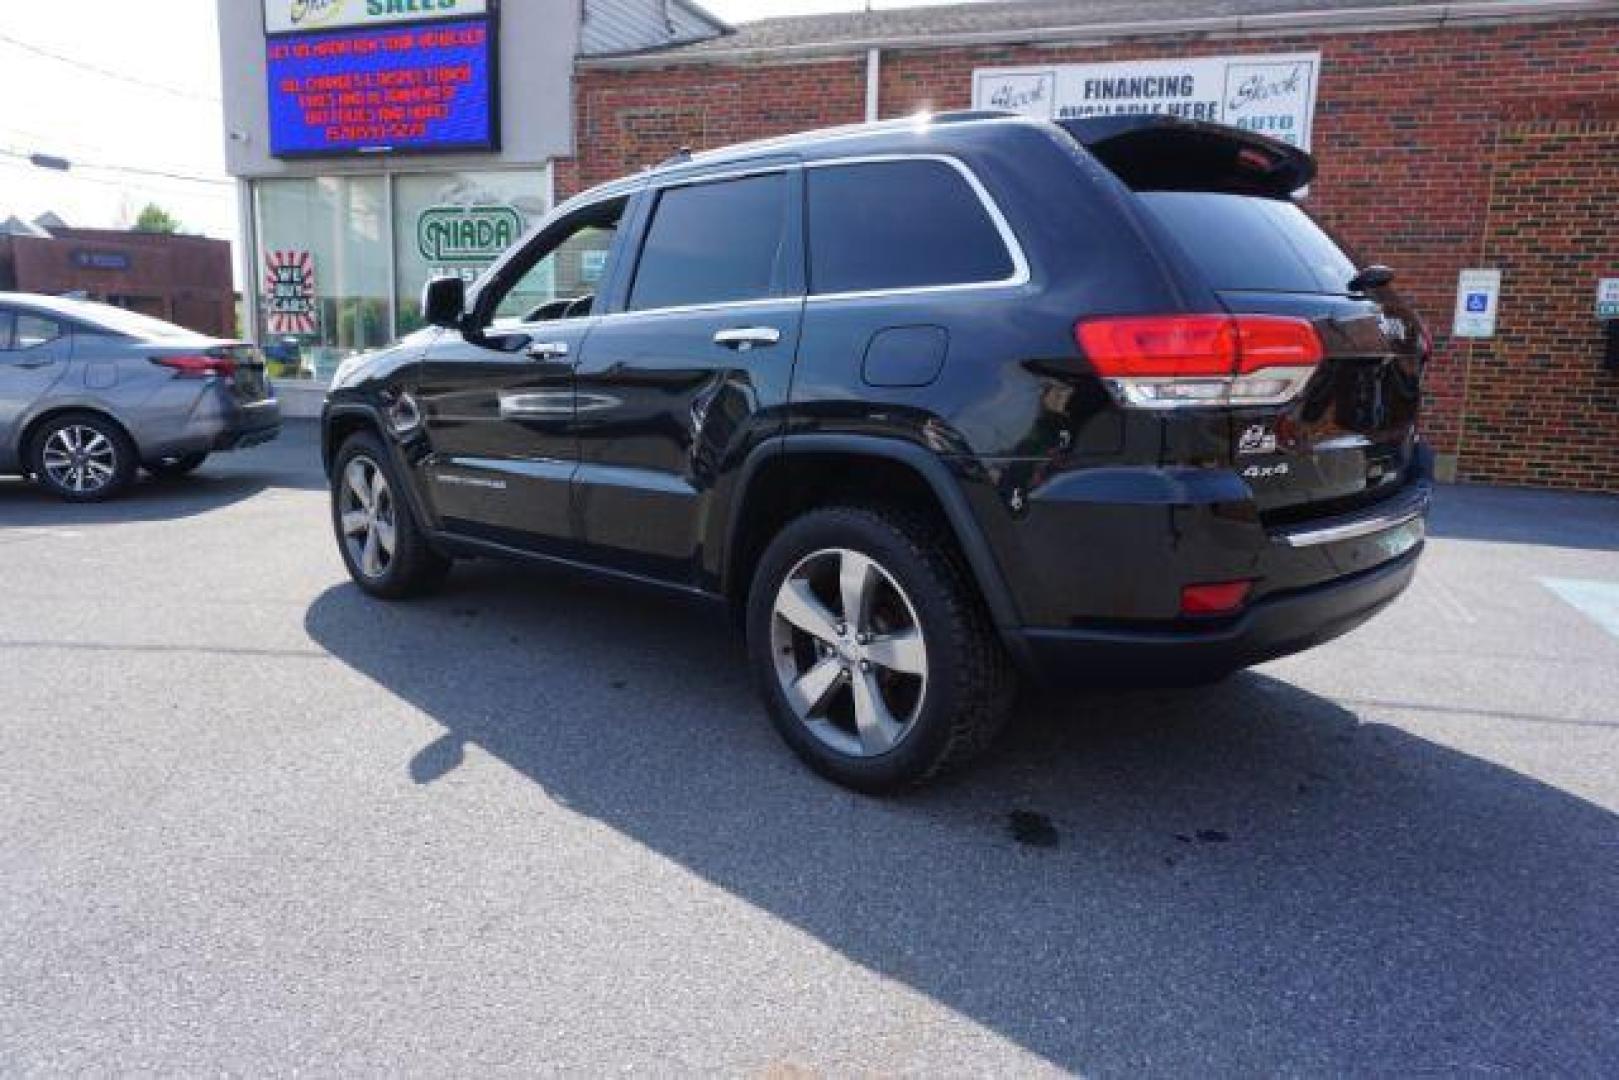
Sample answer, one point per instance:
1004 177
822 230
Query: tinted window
710 243
32 331
899 224
1246 242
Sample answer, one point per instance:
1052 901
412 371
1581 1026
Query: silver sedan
89 393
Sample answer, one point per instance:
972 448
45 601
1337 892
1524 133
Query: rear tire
877 661
383 546
82 457
180 465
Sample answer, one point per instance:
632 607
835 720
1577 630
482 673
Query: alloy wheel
80 459
849 652
365 508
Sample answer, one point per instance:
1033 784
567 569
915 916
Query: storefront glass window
458 223
323 288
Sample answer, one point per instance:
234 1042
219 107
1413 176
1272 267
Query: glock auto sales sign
1273 95
291 16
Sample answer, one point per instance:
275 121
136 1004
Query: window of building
458 223
899 225
712 243
324 291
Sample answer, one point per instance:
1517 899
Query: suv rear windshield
1251 243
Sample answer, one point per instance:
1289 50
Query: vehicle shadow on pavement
24 505
1246 877
292 461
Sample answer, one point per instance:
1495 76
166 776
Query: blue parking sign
1478 302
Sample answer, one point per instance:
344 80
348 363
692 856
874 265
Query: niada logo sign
448 234
289 16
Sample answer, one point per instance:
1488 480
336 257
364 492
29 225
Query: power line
102 181
108 72
131 169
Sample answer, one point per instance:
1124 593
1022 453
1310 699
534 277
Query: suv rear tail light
197 366
1216 598
1178 361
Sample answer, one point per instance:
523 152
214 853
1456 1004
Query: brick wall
1414 131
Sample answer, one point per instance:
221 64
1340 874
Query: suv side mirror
444 302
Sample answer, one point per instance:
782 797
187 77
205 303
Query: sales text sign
292 16
1273 95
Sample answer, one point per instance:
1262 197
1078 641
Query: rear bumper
1276 626
218 422
252 425
1110 574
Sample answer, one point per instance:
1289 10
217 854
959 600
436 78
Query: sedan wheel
80 459
850 654
367 515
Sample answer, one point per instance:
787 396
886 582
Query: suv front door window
497 402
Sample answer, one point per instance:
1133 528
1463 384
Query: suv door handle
548 350
743 338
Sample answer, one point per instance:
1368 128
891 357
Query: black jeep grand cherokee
928 403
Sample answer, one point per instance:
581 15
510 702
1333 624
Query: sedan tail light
1180 361
198 365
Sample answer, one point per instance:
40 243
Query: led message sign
423 87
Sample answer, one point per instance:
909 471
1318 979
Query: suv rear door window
1252 243
899 225
713 243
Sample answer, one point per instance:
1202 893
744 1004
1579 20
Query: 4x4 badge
1257 439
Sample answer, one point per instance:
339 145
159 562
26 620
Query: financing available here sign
293 16
1273 95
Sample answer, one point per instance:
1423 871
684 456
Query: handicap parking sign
1477 294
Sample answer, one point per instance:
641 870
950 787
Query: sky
111 83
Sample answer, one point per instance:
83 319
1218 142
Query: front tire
875 656
82 457
383 546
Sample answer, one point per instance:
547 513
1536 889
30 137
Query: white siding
618 26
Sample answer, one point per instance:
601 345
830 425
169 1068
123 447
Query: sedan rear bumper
252 425
217 423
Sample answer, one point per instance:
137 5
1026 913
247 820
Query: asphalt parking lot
256 823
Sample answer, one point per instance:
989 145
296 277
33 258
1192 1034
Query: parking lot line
1596 600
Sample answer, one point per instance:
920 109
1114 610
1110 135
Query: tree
154 219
